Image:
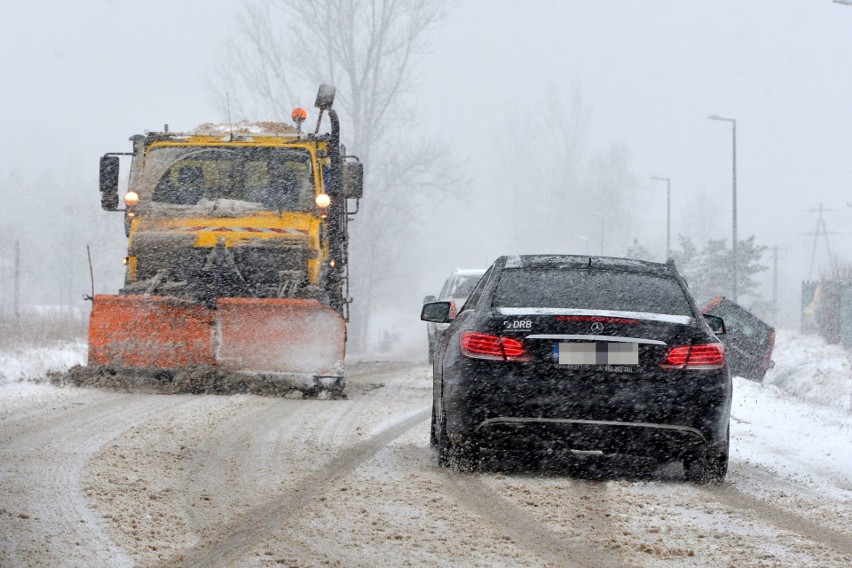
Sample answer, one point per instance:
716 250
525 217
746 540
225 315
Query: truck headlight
323 200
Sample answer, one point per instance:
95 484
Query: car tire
433 439
708 469
465 456
462 457
443 445
710 466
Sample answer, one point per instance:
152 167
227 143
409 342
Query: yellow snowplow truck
236 268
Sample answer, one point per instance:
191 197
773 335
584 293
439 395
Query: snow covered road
92 478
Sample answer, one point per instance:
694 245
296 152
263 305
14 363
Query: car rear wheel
709 469
433 439
709 466
443 444
461 456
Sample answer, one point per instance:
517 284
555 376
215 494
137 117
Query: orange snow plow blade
280 336
284 337
139 332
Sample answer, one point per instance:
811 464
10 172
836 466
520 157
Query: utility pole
820 230
734 257
16 306
775 286
668 214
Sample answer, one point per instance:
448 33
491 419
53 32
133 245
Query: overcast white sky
80 77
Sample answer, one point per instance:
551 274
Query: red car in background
748 339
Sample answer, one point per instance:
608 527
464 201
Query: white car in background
455 290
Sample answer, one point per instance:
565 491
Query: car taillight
485 346
701 356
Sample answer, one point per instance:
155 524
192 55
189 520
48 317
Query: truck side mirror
109 182
353 180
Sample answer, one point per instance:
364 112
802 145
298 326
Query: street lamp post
668 214
734 259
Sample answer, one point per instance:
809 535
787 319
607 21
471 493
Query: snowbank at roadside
32 363
807 367
780 432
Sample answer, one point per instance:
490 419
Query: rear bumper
667 413
607 436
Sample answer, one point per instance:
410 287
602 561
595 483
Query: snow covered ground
802 412
808 368
30 364
224 470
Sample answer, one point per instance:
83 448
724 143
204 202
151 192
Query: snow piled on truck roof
245 128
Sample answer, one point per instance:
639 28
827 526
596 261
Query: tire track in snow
234 459
226 546
41 465
781 518
251 449
527 531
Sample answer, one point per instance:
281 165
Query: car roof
469 271
570 261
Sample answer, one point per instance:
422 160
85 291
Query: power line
820 230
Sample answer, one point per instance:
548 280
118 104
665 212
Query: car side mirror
717 324
437 312
353 180
109 182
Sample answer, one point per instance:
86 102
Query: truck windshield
278 179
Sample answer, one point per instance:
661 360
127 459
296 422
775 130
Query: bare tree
366 49
561 183
543 174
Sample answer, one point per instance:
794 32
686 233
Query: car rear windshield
462 286
590 289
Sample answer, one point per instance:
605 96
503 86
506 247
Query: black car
588 354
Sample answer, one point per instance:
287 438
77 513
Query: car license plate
597 353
